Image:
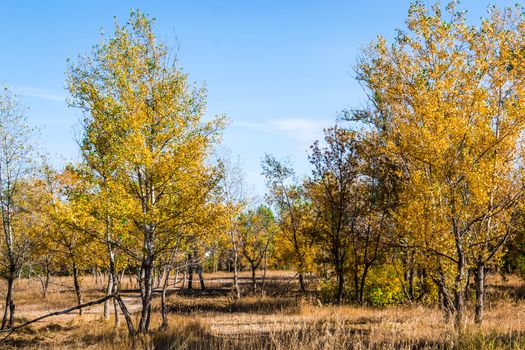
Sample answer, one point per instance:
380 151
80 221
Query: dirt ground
212 319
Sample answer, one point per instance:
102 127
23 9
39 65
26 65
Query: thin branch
9 331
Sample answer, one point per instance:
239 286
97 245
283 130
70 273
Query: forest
408 232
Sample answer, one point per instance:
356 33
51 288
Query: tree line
413 198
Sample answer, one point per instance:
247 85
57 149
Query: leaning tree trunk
124 309
117 299
445 300
480 292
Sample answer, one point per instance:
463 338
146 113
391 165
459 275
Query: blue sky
280 70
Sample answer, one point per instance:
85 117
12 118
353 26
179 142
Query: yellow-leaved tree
143 116
447 100
294 216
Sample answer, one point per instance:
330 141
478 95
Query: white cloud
43 94
301 128
297 128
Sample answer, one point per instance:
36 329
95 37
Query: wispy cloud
43 94
297 128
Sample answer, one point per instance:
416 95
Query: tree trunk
190 272
160 274
201 278
115 310
76 284
459 306
164 307
147 282
236 289
480 292
44 281
109 290
459 297
117 298
356 284
127 316
254 278
445 300
411 283
176 278
340 286
301 282
198 267
130 279
467 287
264 274
8 318
362 286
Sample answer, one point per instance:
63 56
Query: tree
231 202
333 189
448 100
70 246
293 213
142 112
16 166
257 232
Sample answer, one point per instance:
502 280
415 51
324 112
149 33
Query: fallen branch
10 331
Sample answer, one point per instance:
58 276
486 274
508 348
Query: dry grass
270 322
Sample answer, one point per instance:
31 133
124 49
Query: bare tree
234 199
16 164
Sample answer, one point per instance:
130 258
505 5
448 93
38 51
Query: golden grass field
280 321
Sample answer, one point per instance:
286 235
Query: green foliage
383 287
